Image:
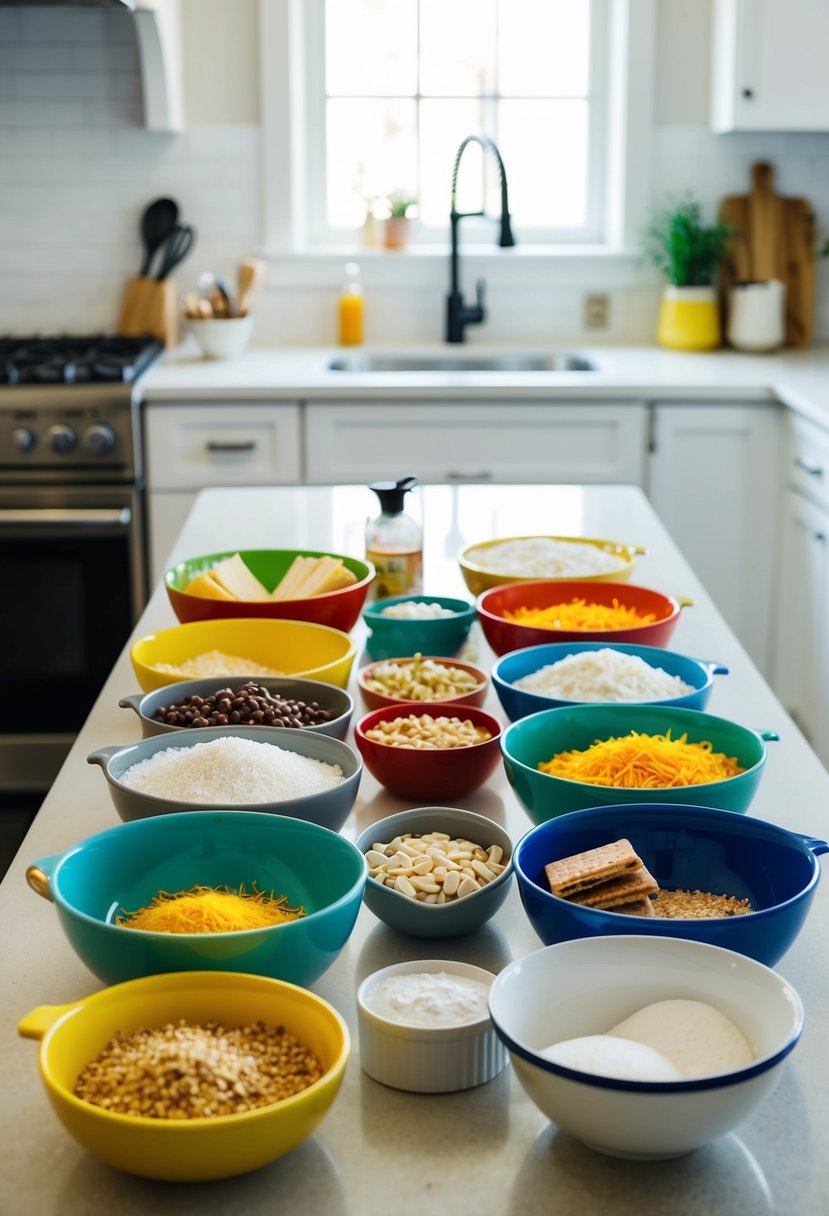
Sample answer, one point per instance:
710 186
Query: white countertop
489 1149
799 379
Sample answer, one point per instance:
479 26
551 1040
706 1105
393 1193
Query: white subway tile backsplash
77 168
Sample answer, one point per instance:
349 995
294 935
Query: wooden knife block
150 306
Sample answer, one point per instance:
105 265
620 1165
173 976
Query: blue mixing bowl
687 848
519 702
123 868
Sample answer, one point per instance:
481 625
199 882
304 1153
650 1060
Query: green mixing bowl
543 735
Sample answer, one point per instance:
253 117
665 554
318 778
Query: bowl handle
770 736
102 755
35 1024
131 702
815 844
714 668
684 601
640 549
39 875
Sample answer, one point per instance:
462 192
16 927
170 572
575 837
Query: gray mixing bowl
327 696
329 808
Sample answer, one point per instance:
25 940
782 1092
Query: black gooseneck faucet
458 314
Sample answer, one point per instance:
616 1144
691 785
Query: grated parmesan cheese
544 557
231 771
216 663
603 675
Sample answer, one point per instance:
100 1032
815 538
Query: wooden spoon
251 277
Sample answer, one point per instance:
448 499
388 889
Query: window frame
319 233
287 174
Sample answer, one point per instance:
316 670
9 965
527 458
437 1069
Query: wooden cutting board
774 239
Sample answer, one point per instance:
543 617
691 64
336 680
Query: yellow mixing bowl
479 578
294 648
187 1150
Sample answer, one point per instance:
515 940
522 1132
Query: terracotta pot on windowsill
395 232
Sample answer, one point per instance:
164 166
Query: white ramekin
423 1059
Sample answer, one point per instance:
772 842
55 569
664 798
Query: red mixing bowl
504 636
376 700
429 774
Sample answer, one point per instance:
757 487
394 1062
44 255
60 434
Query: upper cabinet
768 65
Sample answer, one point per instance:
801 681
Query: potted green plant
396 226
688 252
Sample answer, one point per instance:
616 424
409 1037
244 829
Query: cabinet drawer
197 445
497 441
808 460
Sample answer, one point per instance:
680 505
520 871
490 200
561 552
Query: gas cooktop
76 359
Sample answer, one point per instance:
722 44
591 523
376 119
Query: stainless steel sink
367 364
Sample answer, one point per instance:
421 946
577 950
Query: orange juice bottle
351 307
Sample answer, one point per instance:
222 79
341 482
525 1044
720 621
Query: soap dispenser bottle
394 542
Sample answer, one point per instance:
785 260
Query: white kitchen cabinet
501 441
714 480
189 447
800 659
800 662
768 65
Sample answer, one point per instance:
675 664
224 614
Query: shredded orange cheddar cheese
211 910
578 614
638 761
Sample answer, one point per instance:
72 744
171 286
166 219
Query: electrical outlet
596 312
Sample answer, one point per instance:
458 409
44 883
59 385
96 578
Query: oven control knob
62 438
23 439
98 440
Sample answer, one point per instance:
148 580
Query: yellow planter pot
689 319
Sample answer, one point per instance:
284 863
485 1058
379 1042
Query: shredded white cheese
544 557
231 771
603 675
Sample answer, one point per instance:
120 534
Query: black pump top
392 493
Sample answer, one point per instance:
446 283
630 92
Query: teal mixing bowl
543 735
400 637
122 869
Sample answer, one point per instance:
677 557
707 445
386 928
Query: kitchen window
395 86
367 98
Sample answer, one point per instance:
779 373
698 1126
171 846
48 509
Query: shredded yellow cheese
211 910
638 761
578 614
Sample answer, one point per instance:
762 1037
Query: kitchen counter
488 1149
798 379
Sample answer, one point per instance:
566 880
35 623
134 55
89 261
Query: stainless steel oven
72 549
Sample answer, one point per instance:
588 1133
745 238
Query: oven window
66 615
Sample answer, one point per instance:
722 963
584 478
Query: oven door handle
60 517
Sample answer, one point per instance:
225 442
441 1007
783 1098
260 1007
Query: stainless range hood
158 39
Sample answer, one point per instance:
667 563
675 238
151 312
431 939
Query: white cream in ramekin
433 1058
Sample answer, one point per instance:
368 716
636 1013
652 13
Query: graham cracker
585 870
633 885
639 907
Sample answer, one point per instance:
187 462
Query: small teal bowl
125 867
519 702
685 848
394 638
540 736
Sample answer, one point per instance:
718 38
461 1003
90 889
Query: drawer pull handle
457 475
248 445
809 466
